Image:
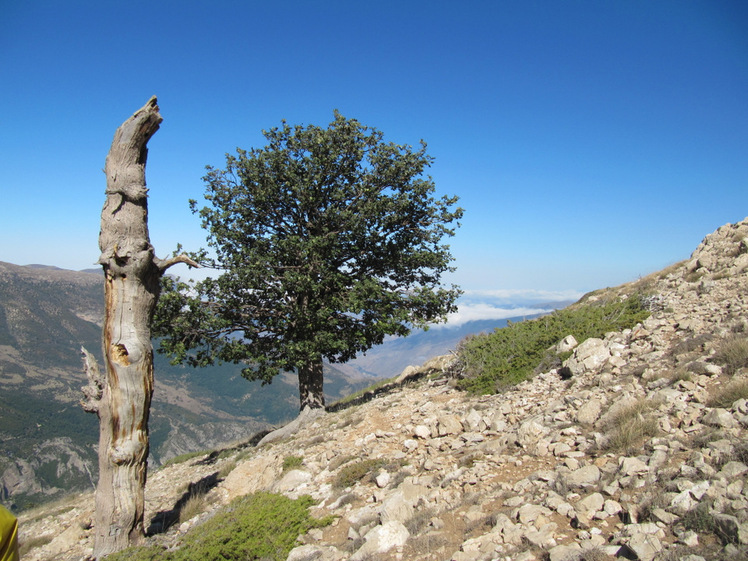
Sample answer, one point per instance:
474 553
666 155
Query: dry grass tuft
631 426
728 395
193 506
25 546
732 353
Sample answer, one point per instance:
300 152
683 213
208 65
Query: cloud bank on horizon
479 305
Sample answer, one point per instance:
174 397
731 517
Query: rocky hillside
637 449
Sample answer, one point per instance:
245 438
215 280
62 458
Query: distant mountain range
49 444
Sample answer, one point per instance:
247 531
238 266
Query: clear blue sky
590 142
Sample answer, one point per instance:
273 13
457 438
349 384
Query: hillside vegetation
491 362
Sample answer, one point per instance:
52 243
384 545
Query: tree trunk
310 385
122 398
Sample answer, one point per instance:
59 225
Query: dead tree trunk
122 396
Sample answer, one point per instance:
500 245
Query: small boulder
583 477
382 539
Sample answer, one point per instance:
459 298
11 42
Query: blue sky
590 142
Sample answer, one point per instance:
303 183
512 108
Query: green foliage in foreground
492 362
253 527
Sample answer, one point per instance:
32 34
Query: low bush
292 462
184 458
259 526
352 473
680 375
490 363
226 469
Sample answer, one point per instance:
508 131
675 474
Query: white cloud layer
513 296
476 305
476 312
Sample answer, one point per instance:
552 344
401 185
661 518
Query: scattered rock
523 475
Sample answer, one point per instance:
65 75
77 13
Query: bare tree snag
122 397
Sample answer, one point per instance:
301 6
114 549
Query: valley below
50 444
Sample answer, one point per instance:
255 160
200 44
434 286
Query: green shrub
184 458
492 362
292 462
259 526
353 473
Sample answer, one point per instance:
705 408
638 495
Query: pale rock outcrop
589 356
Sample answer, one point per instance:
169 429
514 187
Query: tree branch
164 264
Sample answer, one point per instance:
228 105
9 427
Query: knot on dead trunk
95 389
127 451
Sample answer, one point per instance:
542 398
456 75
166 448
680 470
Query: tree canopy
327 240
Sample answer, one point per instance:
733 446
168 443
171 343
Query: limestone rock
293 480
588 356
583 477
589 413
566 344
449 425
720 418
382 539
311 552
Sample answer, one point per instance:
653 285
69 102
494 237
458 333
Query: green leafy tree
327 240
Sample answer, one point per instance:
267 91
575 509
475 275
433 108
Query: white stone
732 470
293 480
589 413
719 418
396 507
529 513
583 477
409 444
646 546
588 356
683 502
566 344
564 552
530 431
422 431
449 425
631 466
316 552
590 504
383 479
382 539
